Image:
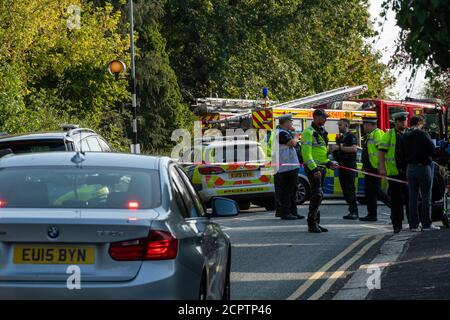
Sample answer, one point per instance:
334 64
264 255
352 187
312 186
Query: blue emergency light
265 92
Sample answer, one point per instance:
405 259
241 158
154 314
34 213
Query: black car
71 138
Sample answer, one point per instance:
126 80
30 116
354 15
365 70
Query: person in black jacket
418 149
344 152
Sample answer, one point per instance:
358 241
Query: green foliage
53 74
438 86
185 49
159 98
426 32
294 47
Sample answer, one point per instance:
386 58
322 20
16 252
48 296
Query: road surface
278 259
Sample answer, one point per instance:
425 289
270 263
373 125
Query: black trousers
373 193
399 200
347 181
286 184
315 201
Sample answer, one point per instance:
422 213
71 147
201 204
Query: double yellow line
337 274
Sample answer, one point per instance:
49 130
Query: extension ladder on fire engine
217 105
244 106
338 94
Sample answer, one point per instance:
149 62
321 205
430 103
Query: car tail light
2 203
210 170
159 245
128 250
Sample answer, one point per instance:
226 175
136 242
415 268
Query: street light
117 67
135 147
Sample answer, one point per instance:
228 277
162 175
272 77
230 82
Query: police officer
315 156
369 159
392 163
286 178
419 149
344 152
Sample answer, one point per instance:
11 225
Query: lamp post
135 147
117 67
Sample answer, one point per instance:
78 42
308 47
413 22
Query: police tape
294 164
372 174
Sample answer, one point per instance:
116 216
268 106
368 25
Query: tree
438 86
55 74
294 47
425 36
160 104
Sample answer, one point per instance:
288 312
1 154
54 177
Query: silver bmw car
108 226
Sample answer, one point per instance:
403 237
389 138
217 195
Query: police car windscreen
86 187
29 146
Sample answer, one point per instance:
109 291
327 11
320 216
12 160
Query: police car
232 167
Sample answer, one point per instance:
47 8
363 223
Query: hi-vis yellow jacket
387 145
314 149
373 142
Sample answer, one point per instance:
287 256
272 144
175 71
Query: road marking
317 275
256 276
343 269
356 288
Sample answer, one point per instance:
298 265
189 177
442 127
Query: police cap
285 117
369 120
401 116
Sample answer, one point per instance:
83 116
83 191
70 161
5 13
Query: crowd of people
402 155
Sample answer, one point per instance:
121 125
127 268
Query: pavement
275 259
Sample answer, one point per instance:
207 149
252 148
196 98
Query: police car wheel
303 191
244 205
269 205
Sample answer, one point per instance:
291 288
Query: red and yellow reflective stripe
262 119
206 119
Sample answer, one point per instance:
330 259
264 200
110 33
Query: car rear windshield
86 187
29 146
237 153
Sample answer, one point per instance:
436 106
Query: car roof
109 159
34 136
54 135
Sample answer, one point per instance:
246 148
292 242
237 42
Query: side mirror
223 207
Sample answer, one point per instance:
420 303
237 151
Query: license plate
39 254
241 175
